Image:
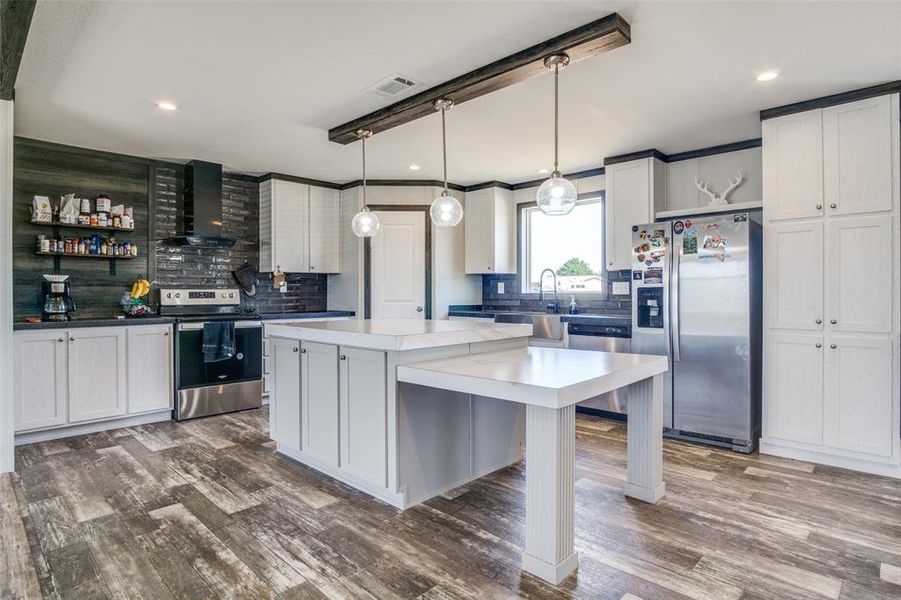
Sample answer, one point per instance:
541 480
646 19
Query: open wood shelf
77 226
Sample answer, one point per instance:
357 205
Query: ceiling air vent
393 86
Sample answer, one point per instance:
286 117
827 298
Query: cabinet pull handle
833 321
343 357
819 345
819 207
833 205
833 346
819 321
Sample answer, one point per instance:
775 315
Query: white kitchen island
406 409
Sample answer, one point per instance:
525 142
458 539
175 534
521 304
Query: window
571 245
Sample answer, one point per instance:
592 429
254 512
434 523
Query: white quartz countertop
551 377
399 334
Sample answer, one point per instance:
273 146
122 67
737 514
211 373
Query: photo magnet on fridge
678 227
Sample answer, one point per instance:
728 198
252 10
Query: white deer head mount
719 199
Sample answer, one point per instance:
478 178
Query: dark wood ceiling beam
588 40
15 20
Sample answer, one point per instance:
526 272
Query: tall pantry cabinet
831 285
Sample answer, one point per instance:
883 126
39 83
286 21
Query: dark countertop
322 314
88 322
580 318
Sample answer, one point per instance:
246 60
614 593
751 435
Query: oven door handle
238 325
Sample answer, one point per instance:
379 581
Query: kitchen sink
545 327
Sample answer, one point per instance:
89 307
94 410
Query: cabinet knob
819 207
295 349
343 357
819 321
833 346
819 345
166 333
418 309
61 340
833 321
71 339
312 267
303 350
833 205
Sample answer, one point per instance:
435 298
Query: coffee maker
58 302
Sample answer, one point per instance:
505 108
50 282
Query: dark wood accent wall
594 38
155 190
15 21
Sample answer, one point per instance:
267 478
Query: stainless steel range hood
203 207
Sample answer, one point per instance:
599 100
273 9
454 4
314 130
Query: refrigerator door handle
675 336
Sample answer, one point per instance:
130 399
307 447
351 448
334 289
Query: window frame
524 241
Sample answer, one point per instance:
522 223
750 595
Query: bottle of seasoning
134 249
103 247
84 217
81 247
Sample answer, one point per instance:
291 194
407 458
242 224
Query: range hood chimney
203 207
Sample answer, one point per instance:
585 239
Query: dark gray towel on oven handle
218 341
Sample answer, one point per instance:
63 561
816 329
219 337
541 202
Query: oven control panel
200 297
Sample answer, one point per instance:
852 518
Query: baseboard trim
46 435
843 462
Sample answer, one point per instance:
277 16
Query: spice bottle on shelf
134 249
84 217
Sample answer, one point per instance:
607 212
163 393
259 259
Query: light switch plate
500 287
620 288
283 288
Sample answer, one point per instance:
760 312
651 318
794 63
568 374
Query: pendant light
365 223
556 196
446 211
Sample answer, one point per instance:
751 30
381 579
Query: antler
732 186
703 186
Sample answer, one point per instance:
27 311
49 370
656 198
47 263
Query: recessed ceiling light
543 171
163 105
767 75
414 167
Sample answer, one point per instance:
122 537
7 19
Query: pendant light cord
363 140
444 146
556 117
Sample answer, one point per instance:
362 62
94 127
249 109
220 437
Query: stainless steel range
210 388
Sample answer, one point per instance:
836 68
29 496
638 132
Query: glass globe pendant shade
365 223
556 196
446 211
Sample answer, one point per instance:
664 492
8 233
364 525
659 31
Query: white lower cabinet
97 368
364 408
795 387
40 380
150 386
284 417
319 393
858 399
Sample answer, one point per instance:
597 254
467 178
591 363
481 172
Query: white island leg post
644 478
550 493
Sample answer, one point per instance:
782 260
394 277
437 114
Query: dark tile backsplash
513 299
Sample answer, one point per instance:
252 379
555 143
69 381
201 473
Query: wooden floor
205 509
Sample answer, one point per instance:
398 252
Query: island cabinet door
284 406
364 437
319 401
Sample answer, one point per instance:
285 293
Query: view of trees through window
570 245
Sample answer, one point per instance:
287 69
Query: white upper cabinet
857 156
490 231
859 399
97 373
793 267
299 228
40 379
325 231
859 277
793 165
636 190
150 363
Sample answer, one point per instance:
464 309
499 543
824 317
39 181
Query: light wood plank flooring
205 509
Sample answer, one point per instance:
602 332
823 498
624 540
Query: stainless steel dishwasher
602 338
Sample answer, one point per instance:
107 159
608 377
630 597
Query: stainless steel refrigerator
696 298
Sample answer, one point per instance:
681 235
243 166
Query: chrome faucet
541 288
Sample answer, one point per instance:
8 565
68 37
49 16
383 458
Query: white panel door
793 165
319 399
794 275
97 373
364 415
39 379
325 231
290 227
859 277
794 388
628 203
398 266
479 229
284 403
149 368
858 403
857 156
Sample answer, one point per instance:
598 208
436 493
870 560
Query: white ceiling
258 84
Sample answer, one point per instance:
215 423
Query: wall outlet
620 288
500 287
